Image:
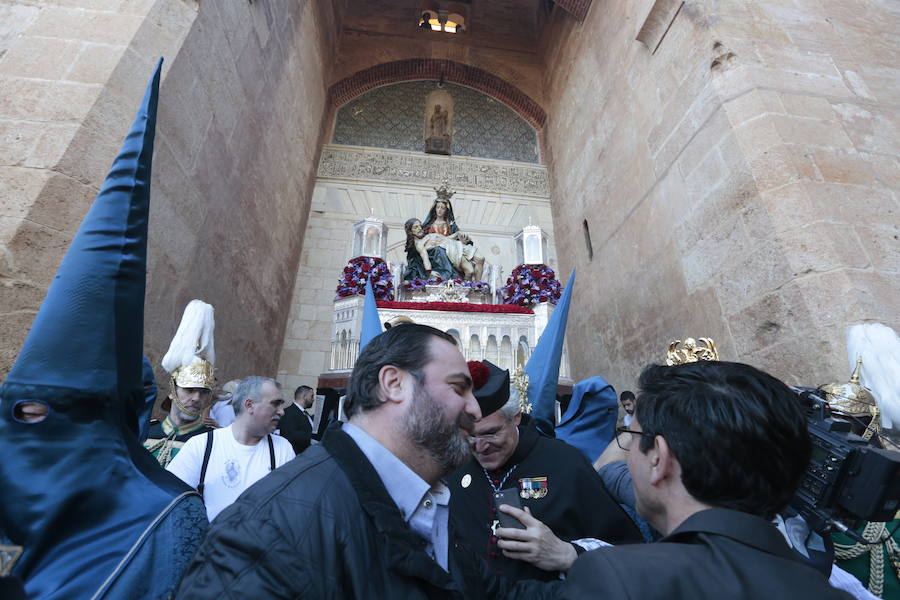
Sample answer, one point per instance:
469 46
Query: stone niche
397 117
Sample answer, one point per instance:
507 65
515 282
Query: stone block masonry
742 184
234 162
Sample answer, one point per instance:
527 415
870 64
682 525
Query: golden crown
691 350
444 192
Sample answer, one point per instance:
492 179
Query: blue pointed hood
542 367
80 493
371 323
589 422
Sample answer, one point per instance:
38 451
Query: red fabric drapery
458 307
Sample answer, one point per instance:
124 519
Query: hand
210 422
536 544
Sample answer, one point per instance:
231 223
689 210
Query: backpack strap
206 454
271 453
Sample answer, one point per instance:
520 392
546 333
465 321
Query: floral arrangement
353 278
513 309
419 284
531 284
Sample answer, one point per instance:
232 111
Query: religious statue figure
439 123
437 127
432 248
440 235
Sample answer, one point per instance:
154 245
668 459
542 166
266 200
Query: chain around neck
497 488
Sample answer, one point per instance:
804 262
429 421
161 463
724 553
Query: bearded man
368 502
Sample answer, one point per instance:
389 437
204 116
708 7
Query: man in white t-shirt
225 462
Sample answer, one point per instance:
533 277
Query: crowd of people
433 483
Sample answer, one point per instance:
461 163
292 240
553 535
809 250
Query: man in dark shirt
368 502
553 479
296 424
712 491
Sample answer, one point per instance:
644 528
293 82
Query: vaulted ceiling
508 24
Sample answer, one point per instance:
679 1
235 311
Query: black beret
491 386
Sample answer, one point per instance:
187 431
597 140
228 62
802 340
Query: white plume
194 339
879 348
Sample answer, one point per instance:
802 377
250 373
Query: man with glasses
553 480
715 450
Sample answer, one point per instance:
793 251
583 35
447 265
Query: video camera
847 478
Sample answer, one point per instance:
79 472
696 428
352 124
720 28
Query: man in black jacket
296 424
367 505
553 479
715 450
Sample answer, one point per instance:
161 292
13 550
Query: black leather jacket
323 526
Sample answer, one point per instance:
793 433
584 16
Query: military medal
532 488
466 480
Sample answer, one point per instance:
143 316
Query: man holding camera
711 489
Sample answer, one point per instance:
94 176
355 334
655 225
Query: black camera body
847 478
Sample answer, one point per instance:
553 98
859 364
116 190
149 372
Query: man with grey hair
554 480
225 462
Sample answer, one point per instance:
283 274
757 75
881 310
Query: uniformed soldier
190 362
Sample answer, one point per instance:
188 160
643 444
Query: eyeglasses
621 430
484 438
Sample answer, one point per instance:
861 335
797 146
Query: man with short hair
296 424
626 398
711 490
368 502
553 479
225 462
221 413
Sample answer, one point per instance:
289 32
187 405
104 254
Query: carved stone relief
343 162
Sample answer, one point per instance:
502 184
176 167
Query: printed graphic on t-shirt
232 475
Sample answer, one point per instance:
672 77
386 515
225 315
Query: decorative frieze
348 162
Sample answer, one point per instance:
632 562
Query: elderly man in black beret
552 479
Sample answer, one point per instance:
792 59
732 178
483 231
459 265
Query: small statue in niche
438 122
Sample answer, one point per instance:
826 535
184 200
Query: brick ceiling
514 24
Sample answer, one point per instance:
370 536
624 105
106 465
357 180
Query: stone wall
72 75
235 167
240 124
494 200
737 171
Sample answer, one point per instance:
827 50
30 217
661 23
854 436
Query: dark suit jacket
295 428
715 554
330 503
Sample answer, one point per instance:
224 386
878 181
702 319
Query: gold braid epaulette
520 382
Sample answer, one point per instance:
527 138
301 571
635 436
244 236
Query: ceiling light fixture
450 20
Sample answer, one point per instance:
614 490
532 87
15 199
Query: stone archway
411 69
